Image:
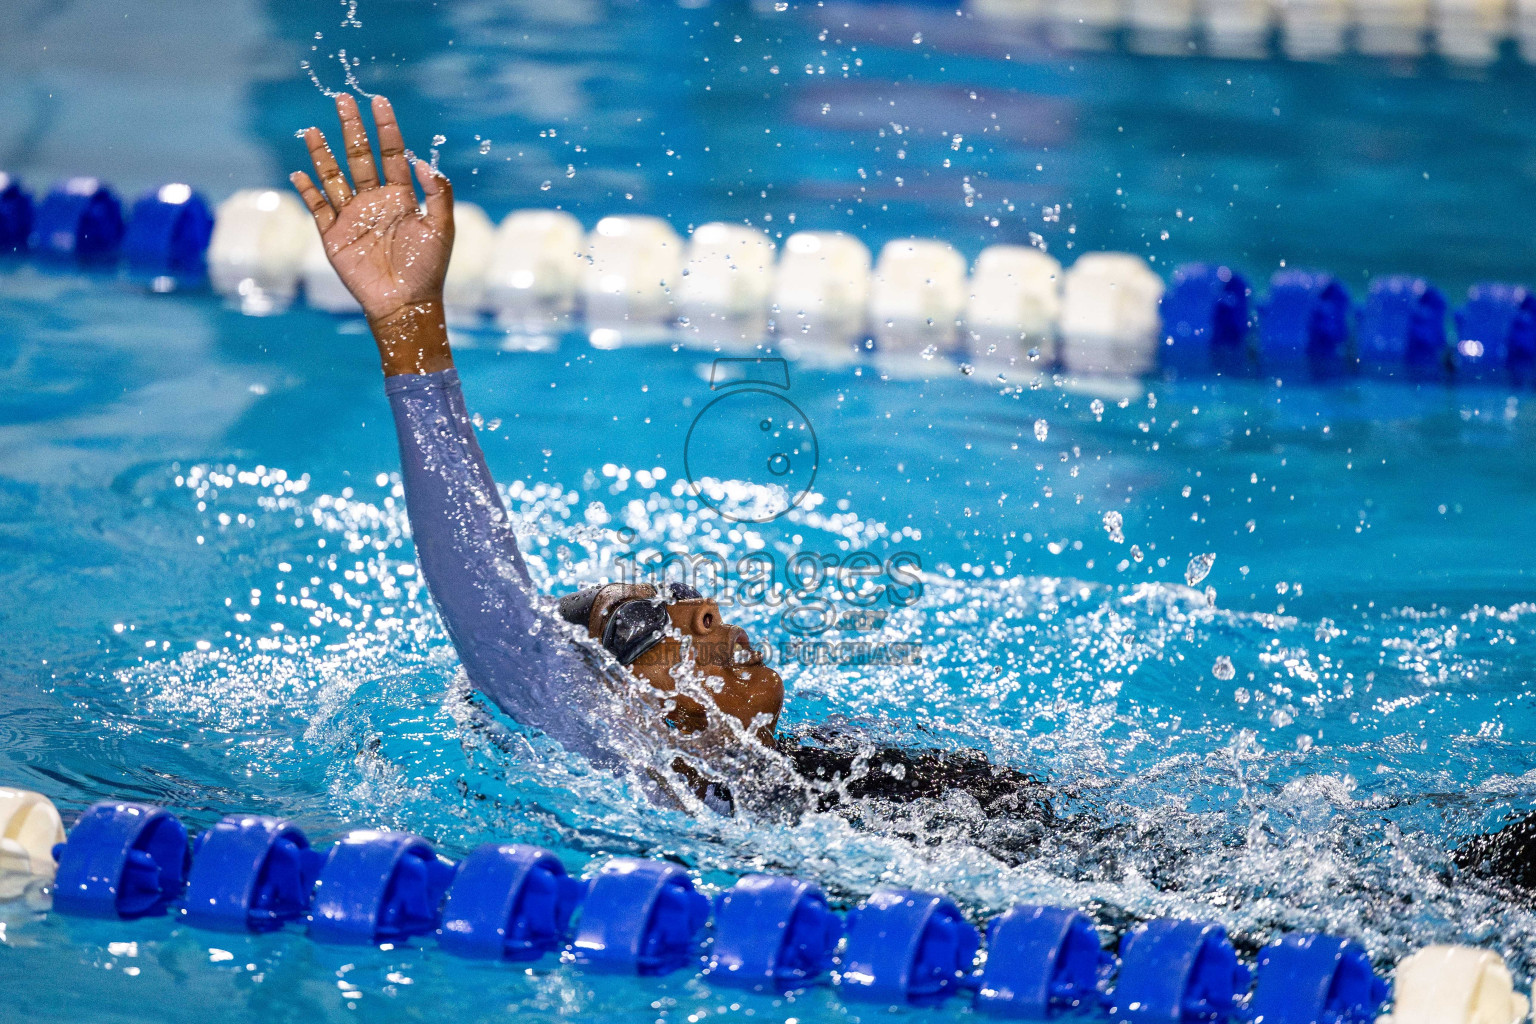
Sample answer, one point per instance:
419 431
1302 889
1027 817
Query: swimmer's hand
390 252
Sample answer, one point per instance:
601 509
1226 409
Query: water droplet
1096 407
545 186
1136 554
1281 718
438 140
967 369
1112 526
930 351
1199 568
1042 428
917 37
1034 354
485 146
1241 695
1223 669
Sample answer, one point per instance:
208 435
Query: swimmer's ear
634 628
577 608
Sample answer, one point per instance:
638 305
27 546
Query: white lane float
1161 27
474 241
1523 28
916 296
1110 315
1084 24
1014 306
821 290
535 268
1455 985
727 282
1391 28
29 830
1237 28
1313 29
628 286
257 248
1021 11
1470 31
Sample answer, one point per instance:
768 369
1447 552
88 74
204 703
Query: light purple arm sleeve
511 652
464 541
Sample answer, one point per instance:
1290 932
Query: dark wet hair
1508 855
903 774
635 626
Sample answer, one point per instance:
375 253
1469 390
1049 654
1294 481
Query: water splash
349 68
314 80
331 672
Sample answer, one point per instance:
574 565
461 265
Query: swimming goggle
635 625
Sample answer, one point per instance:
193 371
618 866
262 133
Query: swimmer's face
631 622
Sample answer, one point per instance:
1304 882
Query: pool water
210 600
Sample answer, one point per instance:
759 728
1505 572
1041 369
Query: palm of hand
388 252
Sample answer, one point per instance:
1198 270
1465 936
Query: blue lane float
1304 323
167 236
80 219
1184 972
640 917
379 887
1207 322
251 873
509 902
15 215
1307 978
1042 962
907 948
1402 329
122 860
1497 334
773 934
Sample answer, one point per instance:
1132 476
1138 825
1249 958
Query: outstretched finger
355 138
439 193
397 169
331 179
319 207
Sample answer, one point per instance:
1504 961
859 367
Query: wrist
413 339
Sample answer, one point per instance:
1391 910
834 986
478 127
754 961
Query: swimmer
392 253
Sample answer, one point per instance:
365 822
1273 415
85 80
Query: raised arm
392 254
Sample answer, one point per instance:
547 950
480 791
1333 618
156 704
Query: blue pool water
208 591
